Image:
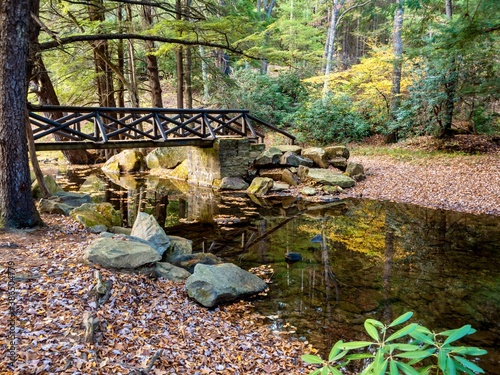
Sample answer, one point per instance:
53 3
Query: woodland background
327 71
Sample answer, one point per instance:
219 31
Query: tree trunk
204 75
104 75
330 43
179 62
134 92
397 48
450 85
17 208
46 93
151 61
188 74
121 60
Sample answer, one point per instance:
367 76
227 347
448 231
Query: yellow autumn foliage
368 83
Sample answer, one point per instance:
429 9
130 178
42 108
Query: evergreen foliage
450 72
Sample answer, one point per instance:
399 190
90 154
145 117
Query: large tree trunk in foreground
17 208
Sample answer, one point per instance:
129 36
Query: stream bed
360 258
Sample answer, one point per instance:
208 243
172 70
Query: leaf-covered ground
460 182
142 318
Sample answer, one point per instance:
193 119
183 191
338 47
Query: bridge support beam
229 157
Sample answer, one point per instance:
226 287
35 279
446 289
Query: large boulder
120 252
125 161
214 285
50 183
147 228
170 272
166 157
269 157
93 215
260 186
328 177
63 202
317 155
291 159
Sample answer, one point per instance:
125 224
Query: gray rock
178 246
271 156
51 206
63 202
307 190
120 253
214 285
333 152
92 214
317 155
72 199
147 228
260 186
166 157
293 160
327 177
98 228
280 186
233 183
189 261
170 272
121 230
354 169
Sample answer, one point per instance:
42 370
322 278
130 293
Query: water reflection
361 259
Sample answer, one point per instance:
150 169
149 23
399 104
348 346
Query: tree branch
86 38
351 8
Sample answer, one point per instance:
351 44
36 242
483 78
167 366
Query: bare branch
86 38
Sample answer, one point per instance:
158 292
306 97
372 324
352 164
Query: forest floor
461 174
143 316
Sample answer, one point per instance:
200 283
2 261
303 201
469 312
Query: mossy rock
125 161
94 214
180 172
51 184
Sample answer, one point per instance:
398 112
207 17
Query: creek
360 258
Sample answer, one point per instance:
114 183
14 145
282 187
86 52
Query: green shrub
328 120
271 99
411 350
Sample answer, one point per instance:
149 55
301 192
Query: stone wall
230 157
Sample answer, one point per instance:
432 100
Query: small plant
411 350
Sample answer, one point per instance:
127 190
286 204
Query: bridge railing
60 127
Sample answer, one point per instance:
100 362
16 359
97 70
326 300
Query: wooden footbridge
71 128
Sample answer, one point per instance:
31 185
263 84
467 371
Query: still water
360 258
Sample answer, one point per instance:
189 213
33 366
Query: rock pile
313 170
209 281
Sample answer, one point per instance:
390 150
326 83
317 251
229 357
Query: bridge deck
64 128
